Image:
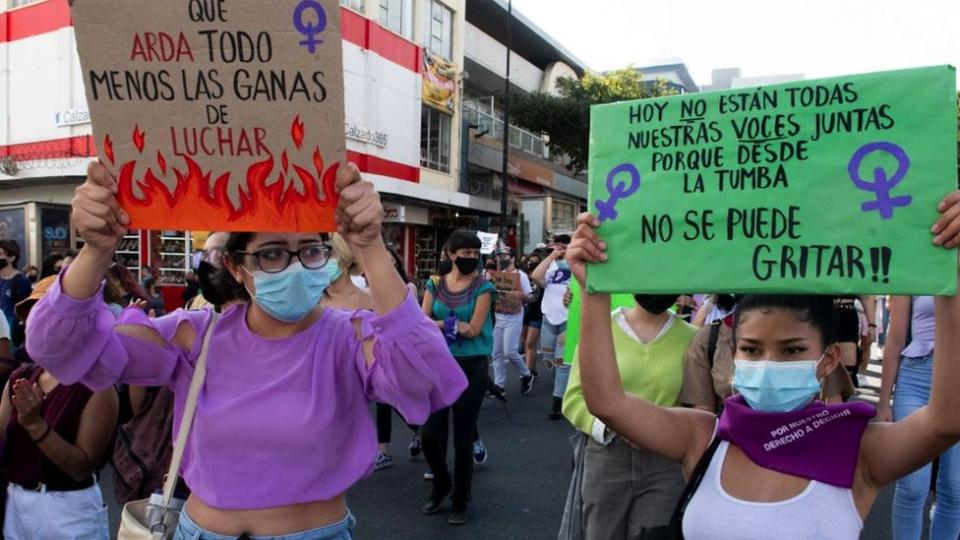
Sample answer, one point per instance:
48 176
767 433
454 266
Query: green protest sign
820 186
572 338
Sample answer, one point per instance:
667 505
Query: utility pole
504 190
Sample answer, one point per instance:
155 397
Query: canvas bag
133 520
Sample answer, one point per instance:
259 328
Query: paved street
518 494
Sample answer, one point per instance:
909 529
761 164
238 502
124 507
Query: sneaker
383 461
415 446
458 515
526 384
496 391
479 452
428 476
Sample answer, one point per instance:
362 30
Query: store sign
410 215
71 117
394 213
366 135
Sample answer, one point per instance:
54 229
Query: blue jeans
912 391
551 349
342 530
506 347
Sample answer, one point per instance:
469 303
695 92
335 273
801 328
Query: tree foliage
566 118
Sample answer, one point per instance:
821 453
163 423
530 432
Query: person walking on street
553 274
459 305
509 307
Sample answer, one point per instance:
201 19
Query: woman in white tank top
787 466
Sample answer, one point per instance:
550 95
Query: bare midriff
267 521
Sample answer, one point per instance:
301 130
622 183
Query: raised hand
947 228
586 246
96 213
359 212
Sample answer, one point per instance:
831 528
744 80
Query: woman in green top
459 302
626 489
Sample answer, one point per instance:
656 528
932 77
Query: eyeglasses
275 260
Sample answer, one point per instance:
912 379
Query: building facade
410 108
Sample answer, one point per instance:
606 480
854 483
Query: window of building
356 5
564 216
397 15
434 139
440 29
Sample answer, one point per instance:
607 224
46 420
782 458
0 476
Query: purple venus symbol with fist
618 190
882 182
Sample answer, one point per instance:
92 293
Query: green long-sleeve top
653 371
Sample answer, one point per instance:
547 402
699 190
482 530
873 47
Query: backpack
712 343
144 446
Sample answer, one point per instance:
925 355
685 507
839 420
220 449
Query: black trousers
435 432
385 423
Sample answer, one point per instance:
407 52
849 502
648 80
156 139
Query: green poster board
572 338
820 186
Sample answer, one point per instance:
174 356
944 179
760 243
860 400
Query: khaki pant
626 490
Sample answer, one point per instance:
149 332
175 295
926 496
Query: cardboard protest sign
573 317
821 186
509 293
217 114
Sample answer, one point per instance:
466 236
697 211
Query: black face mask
655 303
3 263
209 291
445 267
503 264
467 265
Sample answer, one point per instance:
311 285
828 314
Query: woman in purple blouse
282 427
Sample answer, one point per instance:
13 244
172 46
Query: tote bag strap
186 422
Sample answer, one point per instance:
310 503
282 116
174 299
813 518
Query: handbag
674 529
134 524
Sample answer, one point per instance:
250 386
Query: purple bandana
818 442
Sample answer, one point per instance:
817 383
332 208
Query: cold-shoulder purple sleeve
77 341
413 369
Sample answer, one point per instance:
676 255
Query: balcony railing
520 139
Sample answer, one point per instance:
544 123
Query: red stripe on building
34 20
369 35
374 165
52 15
83 146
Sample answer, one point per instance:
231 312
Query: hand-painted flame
297 132
268 198
162 163
108 148
139 139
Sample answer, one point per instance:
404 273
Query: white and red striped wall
40 76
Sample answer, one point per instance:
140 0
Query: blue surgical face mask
772 386
562 264
290 295
335 270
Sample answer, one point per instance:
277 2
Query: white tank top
821 512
